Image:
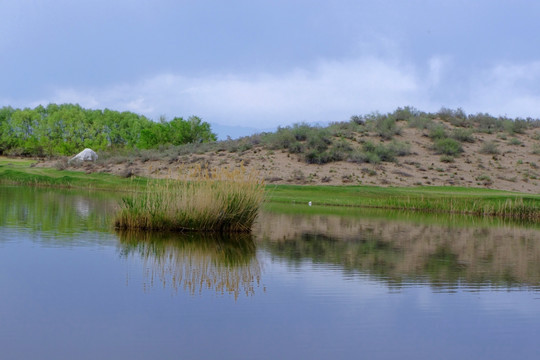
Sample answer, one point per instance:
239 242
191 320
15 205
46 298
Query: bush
360 156
359 120
515 141
296 148
489 147
384 125
421 122
317 157
281 139
400 148
462 135
448 147
447 158
319 140
302 131
407 113
454 117
377 153
485 179
344 129
517 126
438 132
486 123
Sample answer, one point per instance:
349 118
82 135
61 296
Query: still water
315 283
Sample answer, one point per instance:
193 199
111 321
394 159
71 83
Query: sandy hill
383 150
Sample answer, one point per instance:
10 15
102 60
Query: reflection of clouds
195 262
360 291
521 303
82 206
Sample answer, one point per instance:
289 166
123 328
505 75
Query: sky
251 66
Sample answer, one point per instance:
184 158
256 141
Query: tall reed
220 200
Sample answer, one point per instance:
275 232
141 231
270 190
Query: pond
318 283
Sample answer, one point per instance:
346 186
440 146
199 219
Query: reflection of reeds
220 200
225 263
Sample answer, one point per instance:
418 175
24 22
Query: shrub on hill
447 147
463 135
490 148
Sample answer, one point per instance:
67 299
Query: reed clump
518 208
205 200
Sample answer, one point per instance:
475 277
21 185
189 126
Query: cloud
507 89
330 90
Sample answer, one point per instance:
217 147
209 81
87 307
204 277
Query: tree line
68 128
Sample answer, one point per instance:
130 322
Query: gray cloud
328 91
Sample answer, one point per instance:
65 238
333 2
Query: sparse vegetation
490 148
515 141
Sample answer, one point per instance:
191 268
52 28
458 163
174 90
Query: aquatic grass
222 200
452 200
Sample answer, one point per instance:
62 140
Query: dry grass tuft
206 200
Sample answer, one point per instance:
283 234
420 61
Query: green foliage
454 117
345 130
66 129
315 143
400 148
374 154
176 132
516 126
438 132
385 126
406 113
448 147
421 122
462 135
486 123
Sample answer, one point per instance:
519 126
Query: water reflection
62 212
398 249
226 264
404 253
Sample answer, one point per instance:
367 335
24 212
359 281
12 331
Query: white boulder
85 155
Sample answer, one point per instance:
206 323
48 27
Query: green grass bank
15 171
458 200
455 200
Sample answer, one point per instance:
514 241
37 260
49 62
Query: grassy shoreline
453 200
457 200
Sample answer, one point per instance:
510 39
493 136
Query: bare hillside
383 150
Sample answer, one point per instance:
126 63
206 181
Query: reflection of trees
61 211
399 252
225 263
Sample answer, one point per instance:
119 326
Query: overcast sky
256 65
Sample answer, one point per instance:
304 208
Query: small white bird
309 203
